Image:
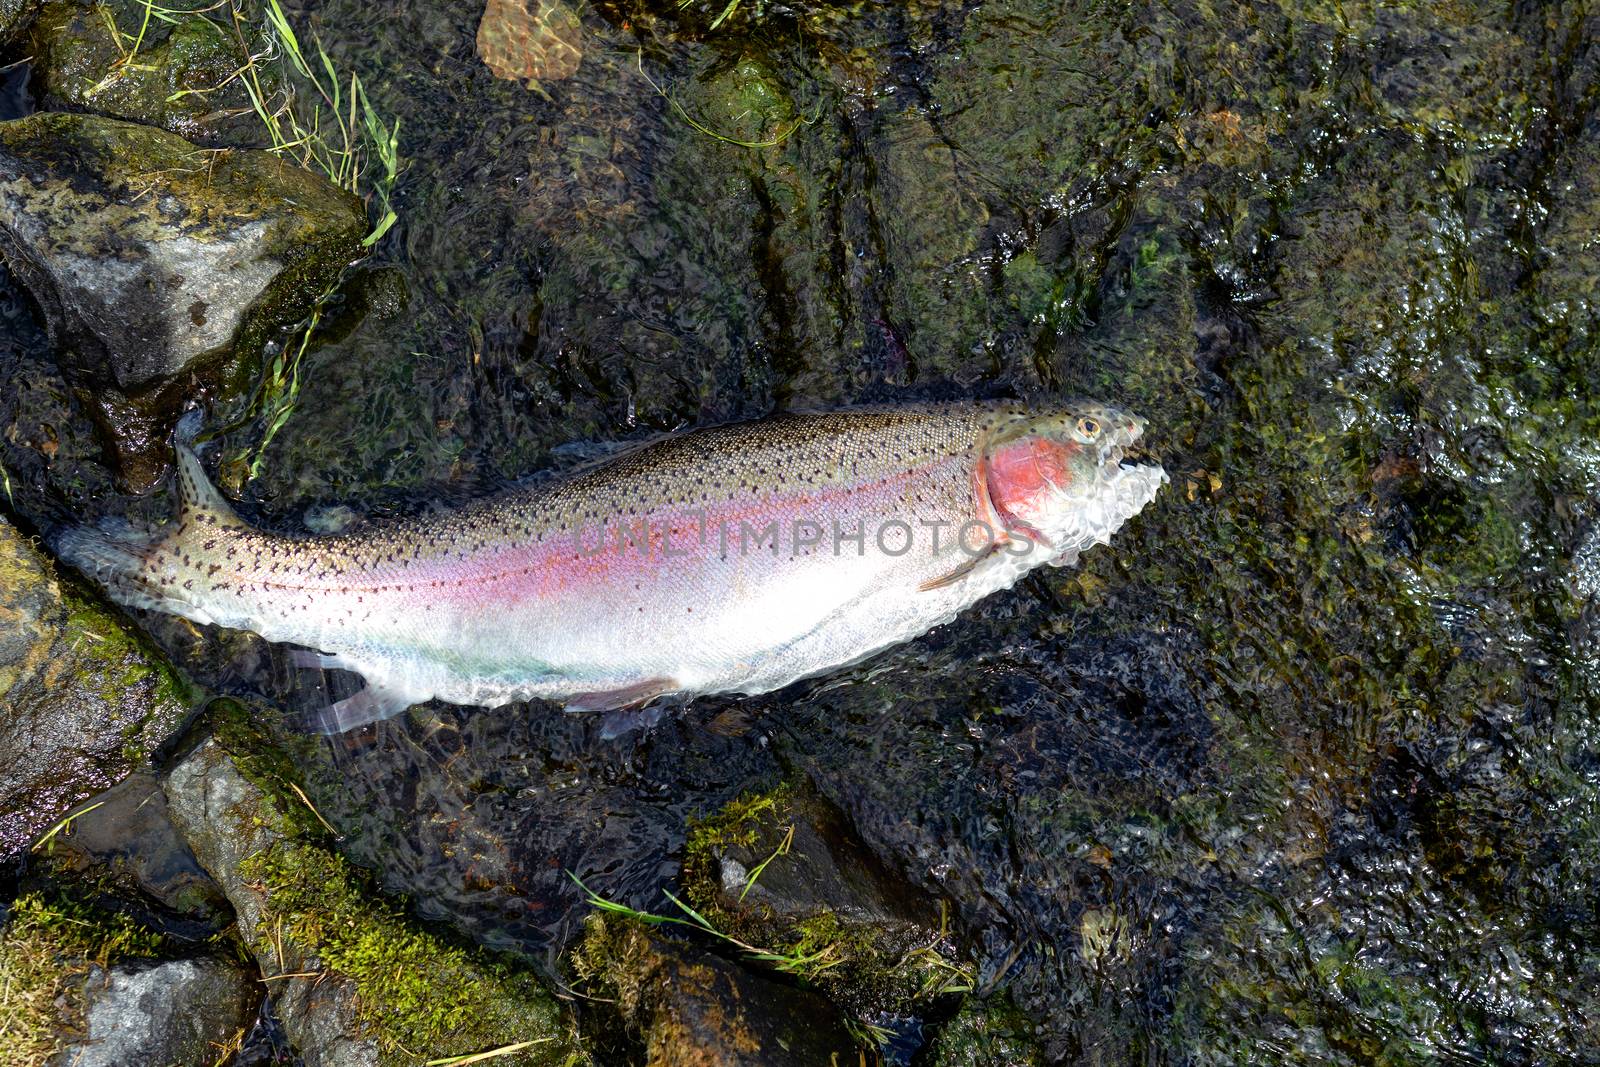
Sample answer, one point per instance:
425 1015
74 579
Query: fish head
1066 474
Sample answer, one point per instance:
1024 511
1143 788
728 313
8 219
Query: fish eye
1088 427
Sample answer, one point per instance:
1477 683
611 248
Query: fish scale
733 558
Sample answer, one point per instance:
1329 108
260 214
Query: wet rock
50 939
362 983
530 40
985 1033
128 843
150 256
796 859
182 78
14 16
692 1008
82 704
227 819
175 1014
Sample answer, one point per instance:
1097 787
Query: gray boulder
150 256
175 1014
82 703
299 906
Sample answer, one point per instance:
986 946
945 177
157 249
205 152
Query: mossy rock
363 982
781 870
691 1008
150 256
14 17
85 703
185 83
49 942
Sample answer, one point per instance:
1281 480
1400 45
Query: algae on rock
48 943
82 703
689 1007
184 78
782 871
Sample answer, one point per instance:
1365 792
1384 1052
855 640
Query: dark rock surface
82 704
128 843
14 17
148 254
810 864
175 1014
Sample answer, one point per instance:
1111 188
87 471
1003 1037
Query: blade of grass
62 827
708 131
479 1057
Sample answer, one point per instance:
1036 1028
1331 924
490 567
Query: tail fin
128 562
120 561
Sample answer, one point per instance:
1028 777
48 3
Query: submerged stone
985 1033
174 1014
82 704
149 255
127 844
530 40
187 81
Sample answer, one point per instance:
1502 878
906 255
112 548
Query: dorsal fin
196 495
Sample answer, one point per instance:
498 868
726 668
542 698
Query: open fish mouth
1124 456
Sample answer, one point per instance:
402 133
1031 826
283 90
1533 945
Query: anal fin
628 696
374 703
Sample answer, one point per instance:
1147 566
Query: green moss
129 678
48 943
181 78
608 961
738 823
417 994
76 928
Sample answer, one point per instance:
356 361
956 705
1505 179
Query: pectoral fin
959 573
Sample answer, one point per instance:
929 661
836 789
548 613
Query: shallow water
1303 768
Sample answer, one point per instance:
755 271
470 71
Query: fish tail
121 562
140 567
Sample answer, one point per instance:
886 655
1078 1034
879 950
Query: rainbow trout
730 559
